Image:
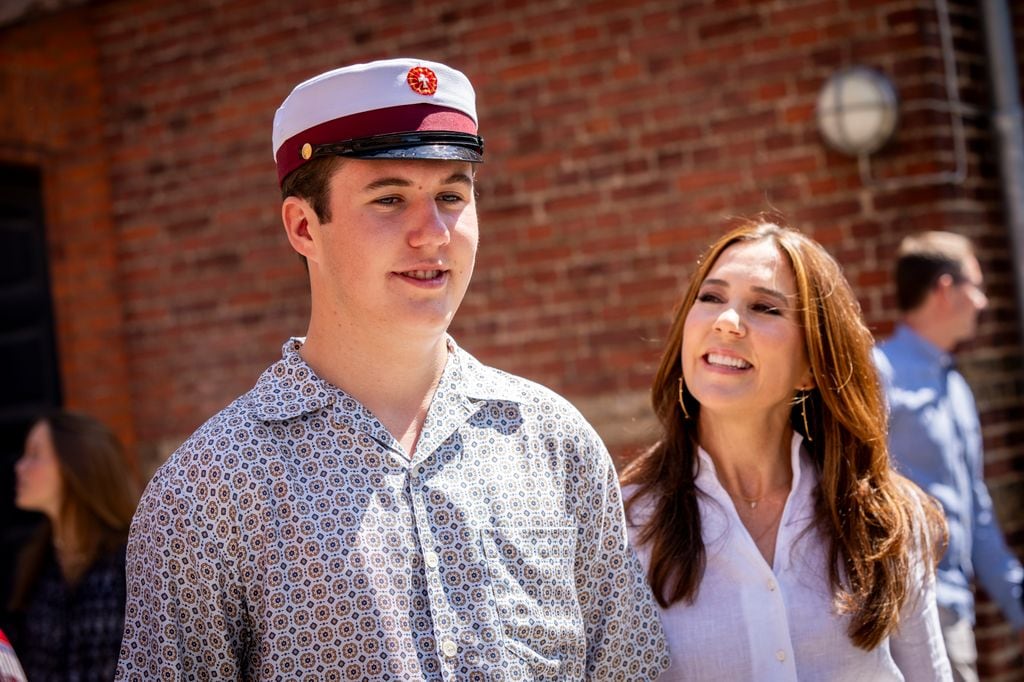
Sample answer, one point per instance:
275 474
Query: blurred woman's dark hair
99 497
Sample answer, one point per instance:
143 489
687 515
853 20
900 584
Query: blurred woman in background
69 593
778 540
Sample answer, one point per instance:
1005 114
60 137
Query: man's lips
424 275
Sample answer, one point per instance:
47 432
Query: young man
381 506
935 436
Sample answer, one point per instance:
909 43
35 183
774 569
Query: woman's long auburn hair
99 496
868 512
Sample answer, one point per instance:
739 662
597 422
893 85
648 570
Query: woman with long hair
69 593
777 538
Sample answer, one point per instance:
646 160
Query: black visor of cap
429 144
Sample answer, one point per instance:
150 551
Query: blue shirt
935 440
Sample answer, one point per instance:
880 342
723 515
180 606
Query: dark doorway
27 347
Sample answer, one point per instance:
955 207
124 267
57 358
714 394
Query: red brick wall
52 118
620 136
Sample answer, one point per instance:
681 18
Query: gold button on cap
307 151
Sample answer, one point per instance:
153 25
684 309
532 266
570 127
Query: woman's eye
709 298
450 198
767 309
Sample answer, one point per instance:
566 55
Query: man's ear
944 281
942 286
301 226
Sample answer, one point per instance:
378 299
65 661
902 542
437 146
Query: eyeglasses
979 287
975 291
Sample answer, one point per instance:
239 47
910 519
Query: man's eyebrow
762 290
458 179
387 182
453 179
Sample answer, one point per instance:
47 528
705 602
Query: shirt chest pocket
533 583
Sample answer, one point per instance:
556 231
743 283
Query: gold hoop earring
682 403
803 412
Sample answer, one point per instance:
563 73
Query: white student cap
388 109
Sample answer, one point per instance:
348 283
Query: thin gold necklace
755 501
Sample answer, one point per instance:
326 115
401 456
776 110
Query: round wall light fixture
857 110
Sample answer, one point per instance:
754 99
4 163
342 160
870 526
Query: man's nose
430 227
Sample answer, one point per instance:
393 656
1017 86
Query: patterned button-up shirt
10 668
291 537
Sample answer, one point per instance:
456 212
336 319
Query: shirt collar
478 382
290 388
916 343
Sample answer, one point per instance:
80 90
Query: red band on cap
401 119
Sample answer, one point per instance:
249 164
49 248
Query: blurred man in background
934 432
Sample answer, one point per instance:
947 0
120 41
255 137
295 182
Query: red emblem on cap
422 80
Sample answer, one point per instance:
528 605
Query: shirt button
449 648
430 559
781 655
772 584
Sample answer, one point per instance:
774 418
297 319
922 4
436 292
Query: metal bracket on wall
956 110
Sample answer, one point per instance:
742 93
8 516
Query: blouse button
772 584
781 655
430 559
449 648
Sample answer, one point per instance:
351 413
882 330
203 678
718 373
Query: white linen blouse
752 621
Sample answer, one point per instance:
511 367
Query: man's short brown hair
311 181
925 257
